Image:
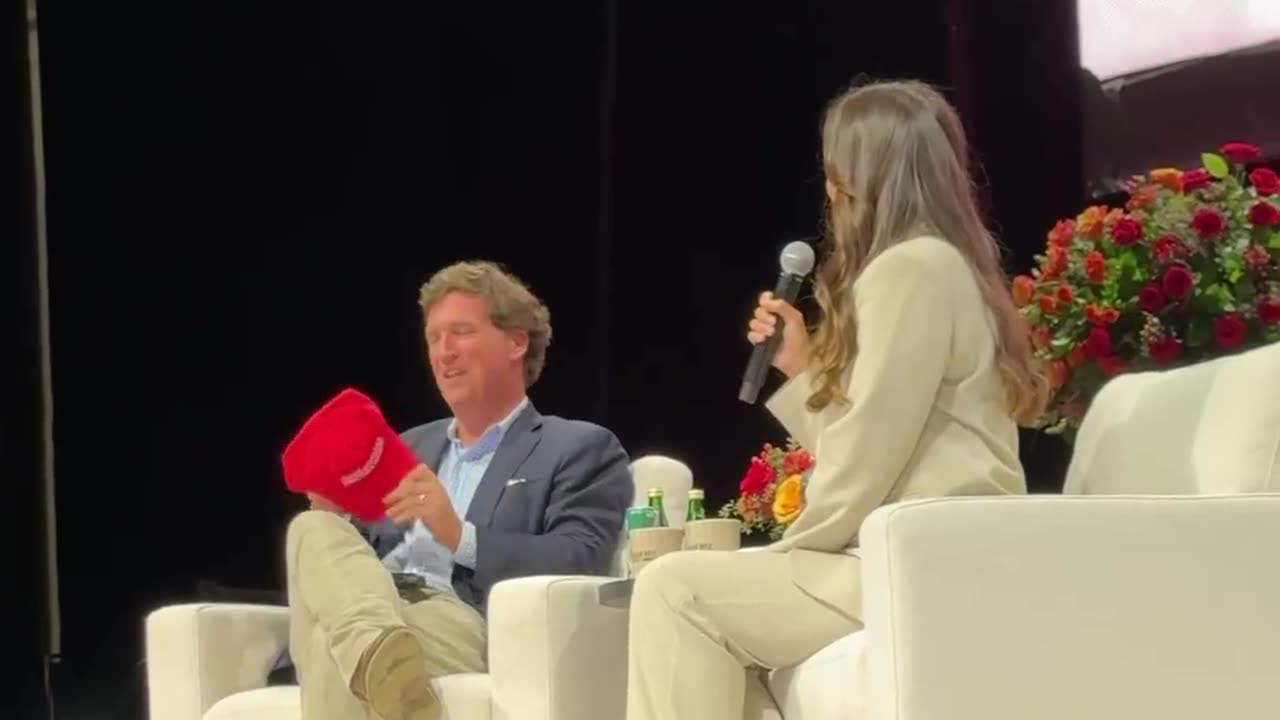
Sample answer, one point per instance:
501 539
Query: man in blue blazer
502 492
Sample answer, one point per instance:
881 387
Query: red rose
1264 214
1177 282
1151 298
1229 331
1077 356
1048 304
1208 223
1095 267
1240 153
1269 310
1195 179
1169 247
1265 181
757 478
1165 350
1126 231
1098 344
1065 295
1111 365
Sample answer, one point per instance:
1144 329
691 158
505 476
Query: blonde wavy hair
895 158
512 306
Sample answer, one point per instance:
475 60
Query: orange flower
1062 233
1141 197
1168 177
1089 222
1057 374
1023 288
1055 263
1100 315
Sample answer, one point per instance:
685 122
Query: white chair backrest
1210 428
650 471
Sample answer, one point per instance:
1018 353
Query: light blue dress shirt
460 472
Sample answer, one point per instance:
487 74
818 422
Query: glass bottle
696 509
655 502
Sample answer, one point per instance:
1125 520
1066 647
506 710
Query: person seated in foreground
911 387
502 492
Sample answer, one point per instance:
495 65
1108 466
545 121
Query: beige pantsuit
927 417
341 599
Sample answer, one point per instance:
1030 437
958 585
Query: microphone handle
753 379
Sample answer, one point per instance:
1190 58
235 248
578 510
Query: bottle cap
655 492
697 494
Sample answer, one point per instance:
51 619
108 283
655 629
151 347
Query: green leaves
1232 267
1199 330
1220 297
1216 165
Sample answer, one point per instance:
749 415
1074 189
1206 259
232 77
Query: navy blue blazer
552 502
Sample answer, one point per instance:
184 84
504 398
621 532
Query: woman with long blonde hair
911 385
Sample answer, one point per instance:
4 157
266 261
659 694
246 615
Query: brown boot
392 678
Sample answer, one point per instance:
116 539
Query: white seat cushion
465 697
827 685
269 703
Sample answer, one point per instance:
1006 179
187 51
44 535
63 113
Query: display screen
1121 37
1162 81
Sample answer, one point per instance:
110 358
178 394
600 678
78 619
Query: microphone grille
797 258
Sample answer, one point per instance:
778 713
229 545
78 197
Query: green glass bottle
696 510
655 502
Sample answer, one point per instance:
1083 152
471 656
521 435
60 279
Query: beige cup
644 545
713 534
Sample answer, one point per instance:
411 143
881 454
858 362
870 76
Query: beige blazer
926 418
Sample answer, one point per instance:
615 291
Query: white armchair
1159 601
552 647
1062 608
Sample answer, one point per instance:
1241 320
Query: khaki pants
704 625
341 599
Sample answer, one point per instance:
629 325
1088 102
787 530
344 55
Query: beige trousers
341 599
705 625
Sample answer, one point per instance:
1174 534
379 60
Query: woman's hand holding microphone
792 356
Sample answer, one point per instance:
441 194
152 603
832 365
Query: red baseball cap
346 453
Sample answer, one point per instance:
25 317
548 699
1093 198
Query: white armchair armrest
555 653
200 653
1061 608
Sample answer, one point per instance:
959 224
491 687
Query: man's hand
420 496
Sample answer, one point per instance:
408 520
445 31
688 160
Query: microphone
796 262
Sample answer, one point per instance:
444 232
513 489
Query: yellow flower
788 500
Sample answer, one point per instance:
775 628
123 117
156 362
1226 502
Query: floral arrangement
772 490
1187 270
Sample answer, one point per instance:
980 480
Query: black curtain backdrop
244 202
